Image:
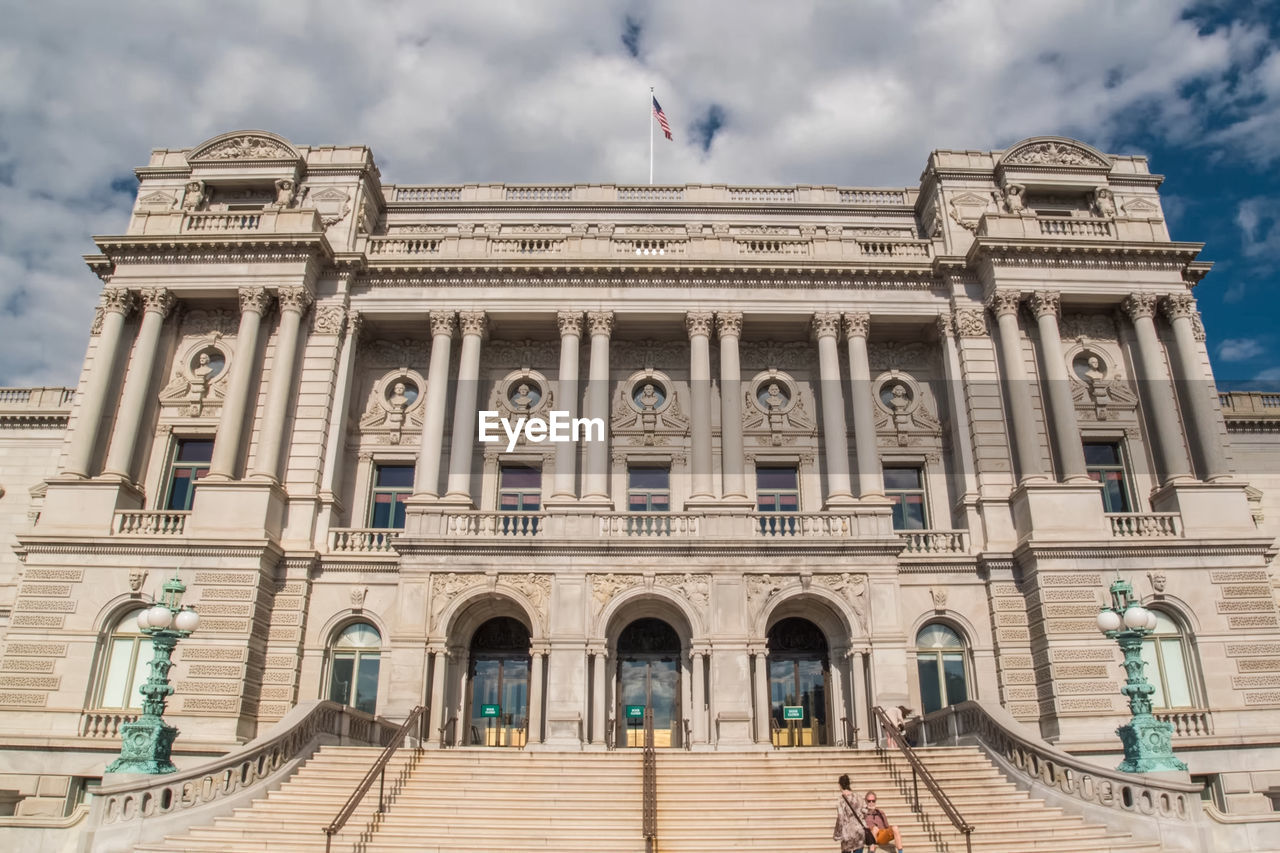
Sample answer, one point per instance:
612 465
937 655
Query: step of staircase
485 800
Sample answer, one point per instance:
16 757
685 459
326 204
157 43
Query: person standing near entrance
878 824
851 829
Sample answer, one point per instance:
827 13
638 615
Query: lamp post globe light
1148 742
147 742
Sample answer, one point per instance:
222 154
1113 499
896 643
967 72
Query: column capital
254 300
971 323
443 323
158 300
729 324
946 325
600 322
825 325
1139 305
1002 302
472 323
295 298
1044 302
118 300
1180 306
570 323
698 323
355 322
857 324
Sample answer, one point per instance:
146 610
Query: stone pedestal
239 508
1071 511
1209 510
86 506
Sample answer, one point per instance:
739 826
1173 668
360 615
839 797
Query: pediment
1140 207
1055 151
245 145
156 198
329 194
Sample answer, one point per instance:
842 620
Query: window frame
107 644
647 491
778 493
521 493
173 464
1189 665
375 490
1123 466
333 653
921 470
963 650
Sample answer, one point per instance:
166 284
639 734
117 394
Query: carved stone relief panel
775 411
199 378
904 410
646 409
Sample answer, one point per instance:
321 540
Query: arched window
940 661
125 665
353 667
1167 656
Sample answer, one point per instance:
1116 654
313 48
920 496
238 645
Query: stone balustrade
36 399
362 540
220 222
552 193
1145 525
1191 723
649 524
99 724
151 522
917 542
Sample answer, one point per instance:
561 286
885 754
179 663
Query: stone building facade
860 447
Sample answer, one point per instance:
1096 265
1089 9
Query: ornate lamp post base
1148 746
146 747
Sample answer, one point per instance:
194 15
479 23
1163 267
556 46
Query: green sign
792 712
635 712
489 710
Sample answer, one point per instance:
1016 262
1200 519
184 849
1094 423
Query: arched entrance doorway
649 677
799 678
498 684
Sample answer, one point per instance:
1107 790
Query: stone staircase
492 800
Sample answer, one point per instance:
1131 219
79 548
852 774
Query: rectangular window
904 487
392 485
1212 791
190 462
777 489
1104 461
649 489
519 489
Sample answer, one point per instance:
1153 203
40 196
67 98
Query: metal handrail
919 771
417 716
650 785
850 734
447 730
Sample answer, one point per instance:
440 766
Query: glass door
798 688
649 678
498 698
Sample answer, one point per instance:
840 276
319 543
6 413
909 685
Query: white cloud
513 91
1240 349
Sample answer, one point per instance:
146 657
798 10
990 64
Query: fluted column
426 480
226 446
857 325
762 696
599 696
1157 397
859 700
698 324
117 303
156 304
1195 386
536 660
439 666
595 485
1045 305
570 323
961 438
837 712
834 434
698 677
732 460
329 479
1004 304
472 324
294 302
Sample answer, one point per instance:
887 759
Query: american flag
662 118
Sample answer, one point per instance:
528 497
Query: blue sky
756 92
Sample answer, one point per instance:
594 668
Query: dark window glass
905 488
190 463
775 478
649 489
392 486
519 488
1104 463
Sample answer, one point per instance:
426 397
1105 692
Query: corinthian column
595 485
294 302
1045 305
472 324
427 479
732 464
1195 386
350 338
156 304
698 324
226 446
835 436
117 303
870 476
1004 304
1166 428
570 323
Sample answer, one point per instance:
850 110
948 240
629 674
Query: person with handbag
878 824
851 829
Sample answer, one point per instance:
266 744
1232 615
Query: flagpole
650 136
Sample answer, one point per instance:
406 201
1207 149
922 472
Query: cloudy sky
798 92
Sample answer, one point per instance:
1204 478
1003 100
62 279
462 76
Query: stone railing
650 194
773 248
151 522
1192 723
825 525
36 398
873 197
427 194
1145 525
404 246
895 248
1042 227
649 524
127 813
649 247
775 195
1169 811
562 193
266 221
527 246
486 525
934 542
697 193
1055 227
104 723
363 540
